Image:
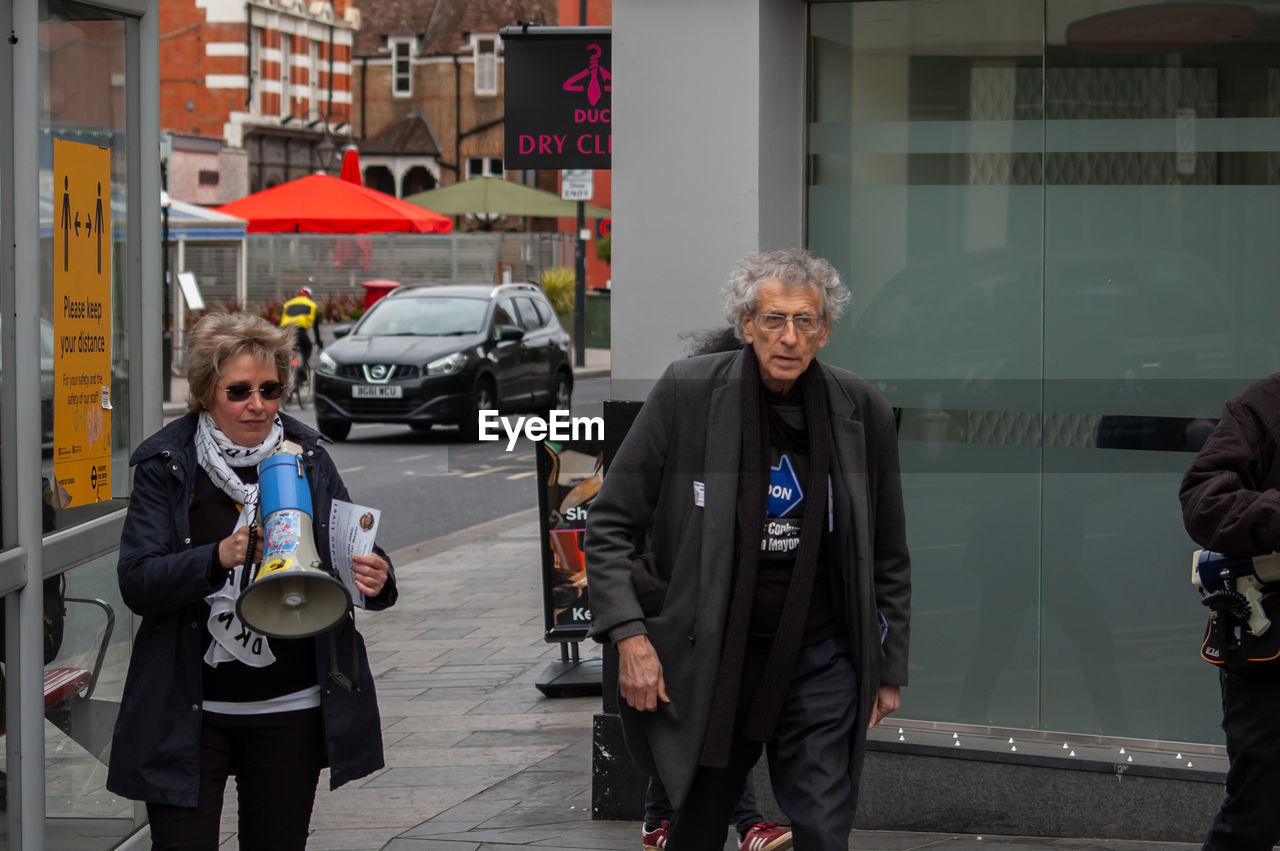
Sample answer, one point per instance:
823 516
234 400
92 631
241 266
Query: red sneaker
656 838
766 836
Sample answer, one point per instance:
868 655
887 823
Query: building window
486 59
313 79
286 72
401 67
208 177
255 69
484 167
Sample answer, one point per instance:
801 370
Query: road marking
420 457
523 475
350 470
488 470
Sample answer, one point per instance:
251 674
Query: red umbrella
319 203
351 167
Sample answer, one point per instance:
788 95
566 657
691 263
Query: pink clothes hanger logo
596 79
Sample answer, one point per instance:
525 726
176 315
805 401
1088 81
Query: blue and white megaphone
1235 583
292 594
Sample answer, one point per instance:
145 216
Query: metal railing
335 265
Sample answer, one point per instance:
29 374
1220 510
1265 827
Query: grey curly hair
791 267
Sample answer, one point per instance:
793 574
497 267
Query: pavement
477 759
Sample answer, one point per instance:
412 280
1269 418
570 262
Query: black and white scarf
753 480
217 454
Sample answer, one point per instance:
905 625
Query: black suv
428 355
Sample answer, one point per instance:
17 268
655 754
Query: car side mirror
509 333
340 331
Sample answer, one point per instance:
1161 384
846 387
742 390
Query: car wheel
334 429
484 397
561 397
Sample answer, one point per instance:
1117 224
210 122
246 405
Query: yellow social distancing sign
82 320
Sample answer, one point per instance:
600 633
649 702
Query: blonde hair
221 337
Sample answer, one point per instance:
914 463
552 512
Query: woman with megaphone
207 696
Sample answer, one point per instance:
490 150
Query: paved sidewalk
477 758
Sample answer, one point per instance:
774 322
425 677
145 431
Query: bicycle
302 389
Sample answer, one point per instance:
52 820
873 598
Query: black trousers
1249 819
276 760
304 343
657 807
808 757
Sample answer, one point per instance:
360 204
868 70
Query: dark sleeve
315 328
154 579
218 574
623 511
387 596
1226 503
892 571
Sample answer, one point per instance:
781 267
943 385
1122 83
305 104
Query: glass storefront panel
95 649
82 89
86 649
923 143
1054 215
1157 235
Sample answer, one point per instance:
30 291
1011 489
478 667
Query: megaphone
292 595
1230 581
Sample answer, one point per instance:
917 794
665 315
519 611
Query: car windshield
423 316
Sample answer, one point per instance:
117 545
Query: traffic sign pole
580 291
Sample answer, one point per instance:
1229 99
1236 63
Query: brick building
427 97
254 93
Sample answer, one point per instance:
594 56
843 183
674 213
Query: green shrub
558 283
604 249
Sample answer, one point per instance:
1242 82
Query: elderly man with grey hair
764 487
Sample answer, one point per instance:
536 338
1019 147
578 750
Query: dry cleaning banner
82 320
559 93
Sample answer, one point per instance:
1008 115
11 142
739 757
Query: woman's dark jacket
155 748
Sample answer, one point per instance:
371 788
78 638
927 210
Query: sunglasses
269 391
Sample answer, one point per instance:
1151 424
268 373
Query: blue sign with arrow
784 489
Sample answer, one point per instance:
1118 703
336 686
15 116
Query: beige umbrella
497 197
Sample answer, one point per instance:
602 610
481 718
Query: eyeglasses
269 391
804 323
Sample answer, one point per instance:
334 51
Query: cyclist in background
302 313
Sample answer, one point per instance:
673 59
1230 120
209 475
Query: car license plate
377 391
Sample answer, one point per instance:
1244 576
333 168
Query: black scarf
753 481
